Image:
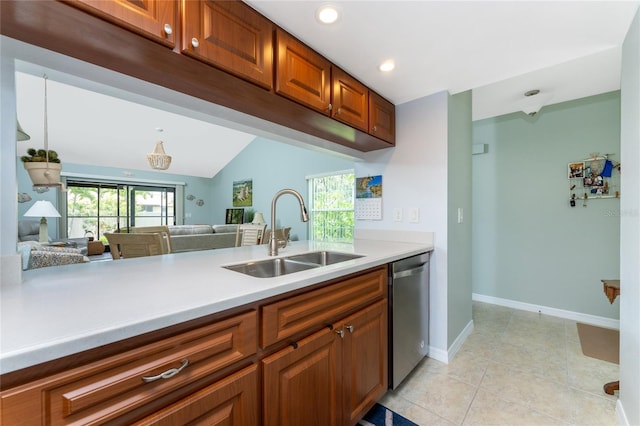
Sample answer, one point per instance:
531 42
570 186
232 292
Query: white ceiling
566 49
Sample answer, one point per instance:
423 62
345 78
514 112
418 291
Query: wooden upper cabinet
301 74
350 100
229 35
155 19
382 118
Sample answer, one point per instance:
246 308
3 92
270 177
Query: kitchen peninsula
67 323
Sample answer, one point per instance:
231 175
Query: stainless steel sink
324 258
287 265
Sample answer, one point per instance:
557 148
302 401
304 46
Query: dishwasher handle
409 272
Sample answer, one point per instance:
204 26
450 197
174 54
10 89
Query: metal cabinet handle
340 333
329 107
375 129
195 42
167 29
349 327
338 111
167 374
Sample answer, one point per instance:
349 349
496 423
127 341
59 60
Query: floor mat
380 415
600 343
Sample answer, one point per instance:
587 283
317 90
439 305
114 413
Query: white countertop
67 309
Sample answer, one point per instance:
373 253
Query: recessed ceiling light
387 66
327 14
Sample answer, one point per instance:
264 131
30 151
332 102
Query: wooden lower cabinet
364 361
301 384
332 377
332 371
232 401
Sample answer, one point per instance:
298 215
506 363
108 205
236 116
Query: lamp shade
258 219
42 209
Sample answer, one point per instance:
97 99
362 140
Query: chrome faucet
273 241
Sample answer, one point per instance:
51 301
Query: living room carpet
600 343
380 415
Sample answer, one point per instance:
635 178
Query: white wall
10 264
414 175
628 406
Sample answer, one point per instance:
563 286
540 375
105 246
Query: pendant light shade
158 159
22 135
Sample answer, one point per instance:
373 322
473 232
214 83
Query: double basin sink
270 268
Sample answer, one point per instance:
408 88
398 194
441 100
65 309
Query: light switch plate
397 215
460 215
414 215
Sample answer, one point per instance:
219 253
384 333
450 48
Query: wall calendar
369 198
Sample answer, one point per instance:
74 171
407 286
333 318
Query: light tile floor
516 368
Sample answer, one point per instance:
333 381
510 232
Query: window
331 215
100 207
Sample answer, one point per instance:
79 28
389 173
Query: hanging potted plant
43 166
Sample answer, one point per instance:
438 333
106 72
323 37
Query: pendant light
158 159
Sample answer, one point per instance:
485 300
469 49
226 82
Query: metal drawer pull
349 327
167 374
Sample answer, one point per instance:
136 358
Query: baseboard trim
447 356
561 313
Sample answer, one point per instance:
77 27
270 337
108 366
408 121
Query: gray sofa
29 230
202 237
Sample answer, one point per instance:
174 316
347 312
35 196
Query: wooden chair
282 234
160 229
125 246
249 234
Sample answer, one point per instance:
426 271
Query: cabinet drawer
104 390
320 307
230 401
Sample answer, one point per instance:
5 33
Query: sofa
36 255
29 230
201 237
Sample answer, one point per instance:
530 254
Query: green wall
529 245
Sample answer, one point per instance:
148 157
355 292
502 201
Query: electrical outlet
397 215
414 215
460 215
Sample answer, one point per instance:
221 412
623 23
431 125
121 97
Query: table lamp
258 219
43 209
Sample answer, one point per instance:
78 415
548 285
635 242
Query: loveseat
202 237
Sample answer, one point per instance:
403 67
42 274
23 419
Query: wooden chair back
282 234
249 234
160 229
125 246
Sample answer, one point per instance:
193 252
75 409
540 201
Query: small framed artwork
234 216
576 170
243 193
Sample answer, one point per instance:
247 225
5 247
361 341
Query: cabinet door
230 35
302 74
382 118
365 360
350 100
302 384
155 19
232 401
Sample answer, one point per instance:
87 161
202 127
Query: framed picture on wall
576 170
234 216
243 193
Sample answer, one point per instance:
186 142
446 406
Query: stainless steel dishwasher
408 316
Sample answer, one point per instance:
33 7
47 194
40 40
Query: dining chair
160 229
249 234
126 246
